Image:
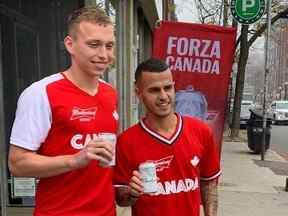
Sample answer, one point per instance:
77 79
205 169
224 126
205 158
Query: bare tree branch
208 11
263 27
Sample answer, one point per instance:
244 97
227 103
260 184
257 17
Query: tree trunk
225 13
244 52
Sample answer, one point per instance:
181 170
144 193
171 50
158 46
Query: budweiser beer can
148 176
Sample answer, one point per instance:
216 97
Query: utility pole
266 74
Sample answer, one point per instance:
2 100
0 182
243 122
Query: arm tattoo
209 195
123 196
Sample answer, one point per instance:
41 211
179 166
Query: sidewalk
245 187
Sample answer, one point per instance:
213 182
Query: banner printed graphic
200 57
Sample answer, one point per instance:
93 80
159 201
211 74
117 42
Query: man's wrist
133 198
71 162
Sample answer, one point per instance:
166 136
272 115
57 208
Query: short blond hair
93 14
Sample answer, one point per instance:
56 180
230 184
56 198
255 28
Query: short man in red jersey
66 124
182 148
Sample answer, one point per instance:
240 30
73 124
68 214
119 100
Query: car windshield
282 105
245 109
245 106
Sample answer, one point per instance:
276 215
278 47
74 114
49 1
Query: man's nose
163 94
102 52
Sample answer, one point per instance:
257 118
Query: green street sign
247 11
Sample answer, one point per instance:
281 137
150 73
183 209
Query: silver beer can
148 176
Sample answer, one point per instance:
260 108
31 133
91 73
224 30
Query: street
278 142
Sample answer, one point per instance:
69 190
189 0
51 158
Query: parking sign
247 11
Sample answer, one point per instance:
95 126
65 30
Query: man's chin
98 74
164 114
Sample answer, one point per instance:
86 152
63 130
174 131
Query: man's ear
137 91
68 42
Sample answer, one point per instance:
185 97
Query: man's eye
93 45
169 87
153 90
109 46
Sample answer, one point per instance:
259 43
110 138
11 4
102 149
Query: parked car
245 113
279 111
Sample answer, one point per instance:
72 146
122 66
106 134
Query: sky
186 11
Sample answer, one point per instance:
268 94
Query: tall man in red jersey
182 148
55 136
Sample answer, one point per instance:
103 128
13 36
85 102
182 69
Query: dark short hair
93 14
152 65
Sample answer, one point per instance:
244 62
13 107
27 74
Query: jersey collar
159 136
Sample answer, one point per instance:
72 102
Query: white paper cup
111 138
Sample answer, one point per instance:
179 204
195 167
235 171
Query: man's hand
98 149
126 195
136 188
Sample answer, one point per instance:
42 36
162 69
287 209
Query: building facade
278 82
31 47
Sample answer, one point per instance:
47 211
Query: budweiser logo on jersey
86 114
163 163
177 186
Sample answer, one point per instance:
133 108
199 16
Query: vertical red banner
200 58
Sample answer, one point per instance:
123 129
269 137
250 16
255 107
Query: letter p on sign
247 4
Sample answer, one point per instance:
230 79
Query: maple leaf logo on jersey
194 161
163 163
86 114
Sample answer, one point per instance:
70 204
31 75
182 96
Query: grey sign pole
266 74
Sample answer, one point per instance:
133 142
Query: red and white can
148 176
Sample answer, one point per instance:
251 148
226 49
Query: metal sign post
267 67
247 11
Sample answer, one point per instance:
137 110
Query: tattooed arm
209 197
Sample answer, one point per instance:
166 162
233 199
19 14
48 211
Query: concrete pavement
245 187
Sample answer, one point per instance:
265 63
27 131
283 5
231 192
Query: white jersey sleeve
33 116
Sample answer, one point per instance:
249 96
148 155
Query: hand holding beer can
148 176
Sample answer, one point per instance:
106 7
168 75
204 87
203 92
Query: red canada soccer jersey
189 156
60 119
